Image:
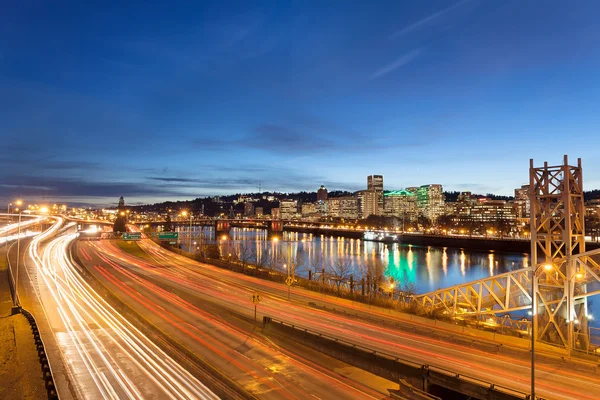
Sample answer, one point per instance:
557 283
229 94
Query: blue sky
185 99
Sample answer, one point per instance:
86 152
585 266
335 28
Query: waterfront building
349 207
333 207
521 202
308 209
592 208
343 207
375 184
370 201
288 209
360 197
430 201
259 212
321 208
402 204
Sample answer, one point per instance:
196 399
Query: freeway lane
207 283
106 357
225 342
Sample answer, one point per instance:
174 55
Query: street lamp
19 203
184 213
290 279
547 267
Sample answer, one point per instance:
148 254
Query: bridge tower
560 314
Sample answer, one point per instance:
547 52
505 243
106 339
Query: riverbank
458 242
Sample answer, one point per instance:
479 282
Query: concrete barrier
425 378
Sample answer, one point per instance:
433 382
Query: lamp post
19 203
547 267
185 213
7 223
289 267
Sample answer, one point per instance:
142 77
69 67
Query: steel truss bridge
555 288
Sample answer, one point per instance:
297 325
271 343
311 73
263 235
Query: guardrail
439 375
41 350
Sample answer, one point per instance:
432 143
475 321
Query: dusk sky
183 100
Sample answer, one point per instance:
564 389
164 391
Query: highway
222 340
184 281
104 356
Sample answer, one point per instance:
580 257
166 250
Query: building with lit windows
343 207
430 201
308 209
375 184
521 202
401 203
288 209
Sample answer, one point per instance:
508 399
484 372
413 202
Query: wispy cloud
400 62
426 20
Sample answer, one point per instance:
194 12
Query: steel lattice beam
563 274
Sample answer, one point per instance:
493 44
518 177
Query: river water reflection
428 267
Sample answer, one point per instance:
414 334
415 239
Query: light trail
120 361
232 290
269 371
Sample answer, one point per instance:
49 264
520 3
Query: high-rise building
259 212
371 201
248 209
322 193
343 207
402 204
360 197
521 202
430 201
375 185
288 209
375 182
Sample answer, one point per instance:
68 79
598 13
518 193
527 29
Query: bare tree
374 273
273 261
408 287
298 266
341 271
260 258
243 254
316 262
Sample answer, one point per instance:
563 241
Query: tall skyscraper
375 186
375 182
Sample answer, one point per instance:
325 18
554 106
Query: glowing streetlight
19 203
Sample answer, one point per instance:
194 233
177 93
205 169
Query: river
426 267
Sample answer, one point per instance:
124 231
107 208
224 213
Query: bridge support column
274 229
557 238
222 228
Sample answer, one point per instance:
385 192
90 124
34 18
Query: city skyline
171 103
